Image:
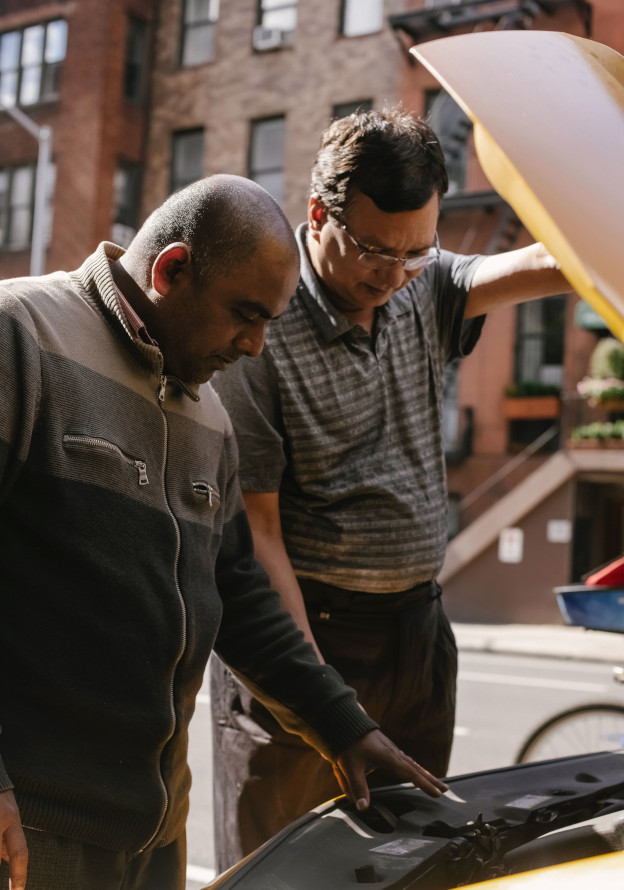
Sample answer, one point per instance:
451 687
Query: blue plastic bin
593 607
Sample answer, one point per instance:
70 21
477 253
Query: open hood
548 115
498 822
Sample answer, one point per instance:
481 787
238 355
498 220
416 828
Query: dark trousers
397 651
58 863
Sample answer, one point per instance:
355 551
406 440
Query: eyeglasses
375 260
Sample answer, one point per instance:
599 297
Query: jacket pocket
81 442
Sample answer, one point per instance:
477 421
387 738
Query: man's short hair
391 156
222 218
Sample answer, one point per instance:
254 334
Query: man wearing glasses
339 427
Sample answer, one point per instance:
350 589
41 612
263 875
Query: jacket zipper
162 386
93 442
204 490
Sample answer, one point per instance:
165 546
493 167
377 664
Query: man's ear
172 262
317 214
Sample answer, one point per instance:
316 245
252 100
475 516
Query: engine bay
487 825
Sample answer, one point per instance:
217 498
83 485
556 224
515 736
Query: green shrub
607 359
530 388
603 430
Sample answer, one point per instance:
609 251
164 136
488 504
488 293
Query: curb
541 640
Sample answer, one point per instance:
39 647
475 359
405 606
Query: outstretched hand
14 848
376 751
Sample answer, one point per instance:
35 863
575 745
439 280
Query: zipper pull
141 468
162 386
207 491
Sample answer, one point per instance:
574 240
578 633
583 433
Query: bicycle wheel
581 730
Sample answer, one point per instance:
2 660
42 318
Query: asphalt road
501 698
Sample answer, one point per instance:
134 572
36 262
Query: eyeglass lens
381 260
410 264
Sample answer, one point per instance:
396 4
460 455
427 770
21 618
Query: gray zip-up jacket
125 557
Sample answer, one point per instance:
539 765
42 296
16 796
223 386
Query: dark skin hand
14 848
376 751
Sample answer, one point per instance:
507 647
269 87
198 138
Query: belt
325 598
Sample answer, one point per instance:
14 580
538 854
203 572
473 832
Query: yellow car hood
548 115
597 871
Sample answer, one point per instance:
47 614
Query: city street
501 698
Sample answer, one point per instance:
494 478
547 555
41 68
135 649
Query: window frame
174 184
126 212
137 94
535 343
359 106
49 71
187 27
253 171
8 206
343 19
284 4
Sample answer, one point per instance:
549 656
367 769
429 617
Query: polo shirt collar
331 323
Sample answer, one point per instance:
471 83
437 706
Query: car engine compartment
488 824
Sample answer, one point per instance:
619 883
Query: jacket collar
96 278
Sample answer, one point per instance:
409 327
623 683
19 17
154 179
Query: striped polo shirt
347 427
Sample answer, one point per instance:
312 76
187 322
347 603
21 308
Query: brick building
144 96
248 88
78 67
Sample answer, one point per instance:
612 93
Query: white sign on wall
559 531
511 545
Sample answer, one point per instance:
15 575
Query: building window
276 22
30 63
453 129
344 109
187 158
199 26
361 17
266 155
540 330
278 14
450 410
136 57
17 201
453 518
126 196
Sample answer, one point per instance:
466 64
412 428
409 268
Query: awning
585 316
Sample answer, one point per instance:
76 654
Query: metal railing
575 411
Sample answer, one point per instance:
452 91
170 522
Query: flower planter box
606 404
531 407
595 443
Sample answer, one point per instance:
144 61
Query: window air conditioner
267 38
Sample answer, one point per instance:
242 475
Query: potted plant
598 435
530 400
604 386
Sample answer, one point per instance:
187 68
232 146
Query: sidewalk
556 641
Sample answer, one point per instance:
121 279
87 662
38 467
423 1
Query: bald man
125 549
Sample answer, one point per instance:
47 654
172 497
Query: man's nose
394 276
251 340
